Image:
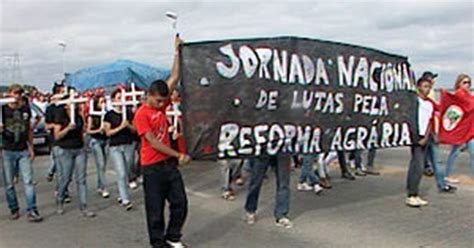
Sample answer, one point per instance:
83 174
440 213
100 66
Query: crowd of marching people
135 137
145 146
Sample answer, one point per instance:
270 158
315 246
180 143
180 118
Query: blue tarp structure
120 71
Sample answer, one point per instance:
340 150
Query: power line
12 67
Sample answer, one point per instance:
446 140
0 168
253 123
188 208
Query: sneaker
15 215
451 180
448 189
119 201
239 181
105 194
412 201
250 218
50 177
133 185
127 205
88 214
34 216
67 199
60 209
421 201
325 183
228 195
284 222
360 173
303 187
178 244
428 172
318 189
372 172
348 176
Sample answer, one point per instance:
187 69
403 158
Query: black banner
259 97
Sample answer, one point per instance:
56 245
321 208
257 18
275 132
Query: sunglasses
466 82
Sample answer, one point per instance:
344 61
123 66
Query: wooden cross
72 101
174 114
101 113
124 102
134 93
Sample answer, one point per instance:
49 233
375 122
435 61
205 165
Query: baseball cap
429 74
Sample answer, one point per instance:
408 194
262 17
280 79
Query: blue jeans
247 166
72 161
52 165
415 169
454 154
55 168
122 156
432 155
371 157
134 169
18 161
99 149
281 164
307 172
230 170
357 157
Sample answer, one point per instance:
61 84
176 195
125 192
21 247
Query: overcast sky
435 35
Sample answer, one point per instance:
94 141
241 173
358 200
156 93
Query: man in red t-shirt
162 179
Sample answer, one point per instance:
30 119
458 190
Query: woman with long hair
121 146
462 86
98 143
71 156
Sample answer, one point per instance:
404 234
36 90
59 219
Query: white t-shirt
425 113
41 105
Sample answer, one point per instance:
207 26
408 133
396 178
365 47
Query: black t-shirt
50 111
49 118
96 125
125 136
16 127
74 138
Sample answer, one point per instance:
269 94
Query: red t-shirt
150 119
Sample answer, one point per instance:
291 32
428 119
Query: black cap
429 75
421 80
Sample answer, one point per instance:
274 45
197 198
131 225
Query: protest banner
256 97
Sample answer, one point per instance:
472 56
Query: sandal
228 196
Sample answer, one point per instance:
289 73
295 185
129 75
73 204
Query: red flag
457 117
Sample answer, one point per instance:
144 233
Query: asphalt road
368 212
